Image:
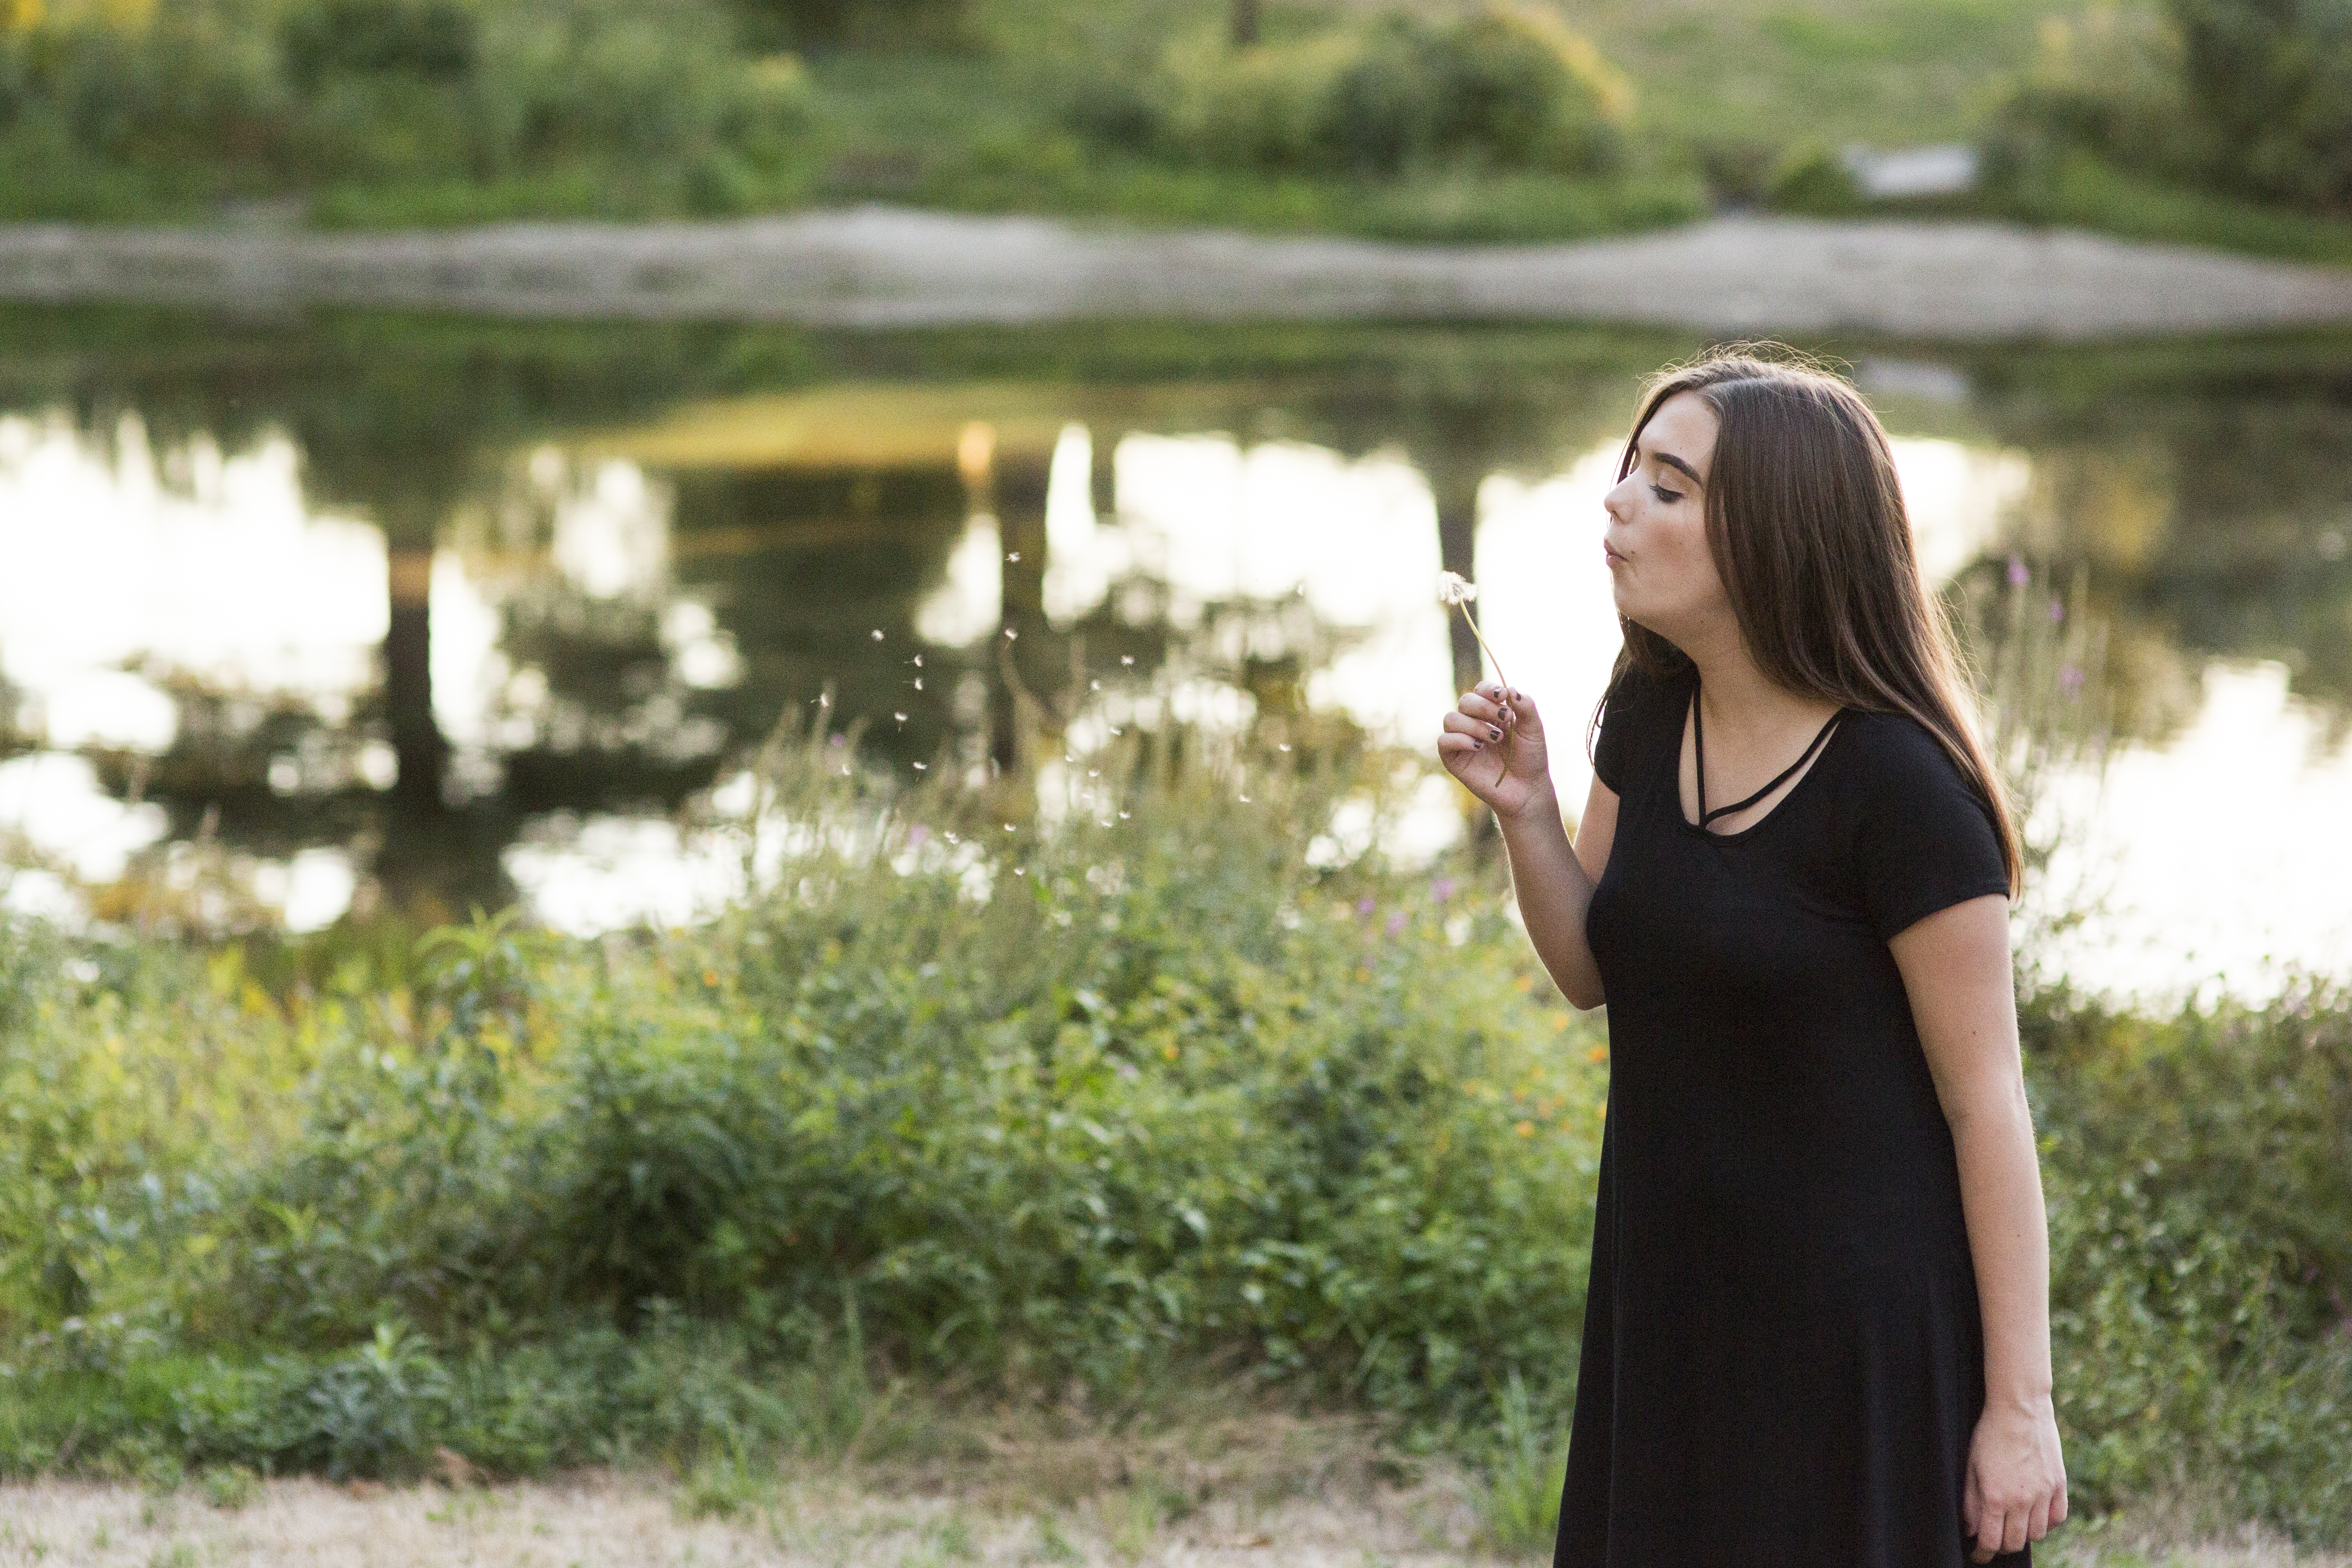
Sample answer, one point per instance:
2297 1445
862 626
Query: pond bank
880 266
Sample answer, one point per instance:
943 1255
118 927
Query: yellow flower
1524 1129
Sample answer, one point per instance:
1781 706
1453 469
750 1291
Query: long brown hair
1806 523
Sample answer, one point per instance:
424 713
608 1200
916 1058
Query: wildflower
1524 1129
2017 573
1396 924
2057 610
1364 906
1456 590
917 835
1441 889
2070 680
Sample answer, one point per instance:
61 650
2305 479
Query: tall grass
1115 1083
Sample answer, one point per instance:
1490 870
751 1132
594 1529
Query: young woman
1817 1332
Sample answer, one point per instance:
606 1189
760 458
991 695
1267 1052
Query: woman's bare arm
1497 751
1956 969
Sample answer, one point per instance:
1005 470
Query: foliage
207 99
1100 1099
2250 99
1500 89
2201 1195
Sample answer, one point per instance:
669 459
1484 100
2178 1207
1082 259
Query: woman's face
1660 570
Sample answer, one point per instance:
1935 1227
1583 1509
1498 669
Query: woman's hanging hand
1493 743
2016 1487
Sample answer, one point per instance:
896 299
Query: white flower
1452 588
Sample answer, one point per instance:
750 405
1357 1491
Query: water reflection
317 617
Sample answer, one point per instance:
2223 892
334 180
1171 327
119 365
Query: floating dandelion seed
1094 772
1014 556
922 767
1284 746
919 661
824 701
1008 827
1458 591
1094 686
919 683
1114 729
1122 816
877 634
899 716
1021 870
1127 659
1246 799
1010 634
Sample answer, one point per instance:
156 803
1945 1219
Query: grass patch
1096 1160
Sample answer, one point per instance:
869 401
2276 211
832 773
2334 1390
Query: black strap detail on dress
1698 746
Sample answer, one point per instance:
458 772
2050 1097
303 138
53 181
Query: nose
1613 503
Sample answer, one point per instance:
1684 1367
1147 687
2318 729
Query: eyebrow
1671 461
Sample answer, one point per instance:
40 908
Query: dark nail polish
1494 733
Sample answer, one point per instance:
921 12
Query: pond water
303 617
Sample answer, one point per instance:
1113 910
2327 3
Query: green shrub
1500 89
2247 98
209 97
2199 1176
1100 1097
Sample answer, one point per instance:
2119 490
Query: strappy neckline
1699 748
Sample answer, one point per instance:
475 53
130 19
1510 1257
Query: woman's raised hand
1494 742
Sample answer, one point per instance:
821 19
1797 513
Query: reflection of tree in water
2198 496
2209 494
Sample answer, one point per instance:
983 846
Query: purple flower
838 740
1364 905
917 836
1396 924
1441 889
2070 680
2057 612
2017 573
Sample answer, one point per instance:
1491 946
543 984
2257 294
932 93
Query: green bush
1100 1098
657 108
2246 97
1501 89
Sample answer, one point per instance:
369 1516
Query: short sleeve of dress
1926 842
1622 711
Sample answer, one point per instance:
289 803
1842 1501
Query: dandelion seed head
1452 588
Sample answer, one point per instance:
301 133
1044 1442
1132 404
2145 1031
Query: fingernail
1477 746
1492 733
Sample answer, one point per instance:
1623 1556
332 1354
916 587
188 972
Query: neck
1738 698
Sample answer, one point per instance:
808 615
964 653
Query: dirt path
643 1522
879 267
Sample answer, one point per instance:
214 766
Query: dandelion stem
1469 621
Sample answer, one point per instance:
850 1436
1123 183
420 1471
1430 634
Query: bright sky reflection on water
2204 849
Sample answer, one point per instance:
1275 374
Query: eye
1666 495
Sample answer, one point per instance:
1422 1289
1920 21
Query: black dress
1782 1359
